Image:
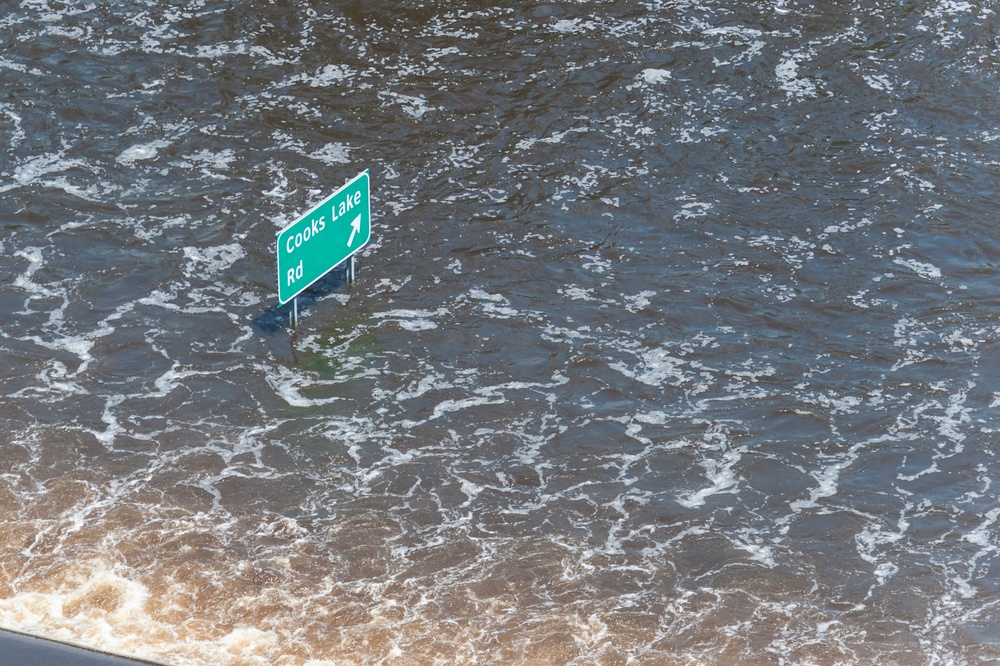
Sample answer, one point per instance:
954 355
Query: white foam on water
846 227
94 605
494 305
173 379
554 138
213 164
577 293
487 397
34 169
940 18
332 153
327 76
789 80
142 152
792 249
413 105
107 436
432 382
913 477
762 553
827 481
55 334
924 269
165 299
571 26
211 260
596 263
289 386
17 135
693 210
982 535
657 367
24 280
910 334
104 606
871 543
639 301
412 320
720 473
880 82
652 76
19 67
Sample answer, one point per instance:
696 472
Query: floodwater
677 340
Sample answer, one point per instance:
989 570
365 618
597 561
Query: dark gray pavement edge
22 650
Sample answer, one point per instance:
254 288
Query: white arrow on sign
355 228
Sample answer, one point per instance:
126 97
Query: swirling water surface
676 343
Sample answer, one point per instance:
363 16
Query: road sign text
324 237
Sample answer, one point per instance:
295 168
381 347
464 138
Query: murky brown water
675 343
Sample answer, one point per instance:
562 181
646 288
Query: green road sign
324 237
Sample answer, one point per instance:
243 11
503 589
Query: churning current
677 340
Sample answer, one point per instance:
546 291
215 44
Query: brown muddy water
677 341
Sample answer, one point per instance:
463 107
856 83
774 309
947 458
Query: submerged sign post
324 238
